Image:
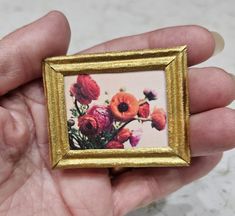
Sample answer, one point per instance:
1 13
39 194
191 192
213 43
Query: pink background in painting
133 83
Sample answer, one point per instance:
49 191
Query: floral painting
102 115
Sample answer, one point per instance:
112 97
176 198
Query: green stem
72 137
143 119
126 123
79 141
116 132
76 105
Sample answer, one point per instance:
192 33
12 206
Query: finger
212 131
142 186
199 41
22 52
210 88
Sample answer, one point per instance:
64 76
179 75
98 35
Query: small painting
116 110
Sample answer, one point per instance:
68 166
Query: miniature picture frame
118 109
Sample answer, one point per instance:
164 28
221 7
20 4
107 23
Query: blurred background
93 22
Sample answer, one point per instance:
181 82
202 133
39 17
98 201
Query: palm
28 186
26 174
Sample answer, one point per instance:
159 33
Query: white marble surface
93 22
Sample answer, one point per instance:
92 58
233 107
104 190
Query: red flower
124 106
88 125
114 145
123 135
144 111
85 90
103 116
158 119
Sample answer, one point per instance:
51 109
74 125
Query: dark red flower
85 90
103 116
123 135
114 145
144 111
88 125
158 119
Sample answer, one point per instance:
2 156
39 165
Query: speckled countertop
93 22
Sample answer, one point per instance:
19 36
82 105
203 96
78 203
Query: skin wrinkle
43 191
154 187
15 166
23 133
33 100
18 187
26 183
14 122
26 98
14 206
9 207
54 177
5 157
26 62
48 173
116 199
72 208
47 167
6 67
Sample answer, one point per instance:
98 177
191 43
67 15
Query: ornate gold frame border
173 61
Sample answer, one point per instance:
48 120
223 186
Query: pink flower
135 137
144 111
88 125
150 94
103 116
158 119
85 90
114 145
123 135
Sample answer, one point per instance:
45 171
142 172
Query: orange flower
124 106
158 119
123 135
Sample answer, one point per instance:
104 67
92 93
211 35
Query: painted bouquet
105 126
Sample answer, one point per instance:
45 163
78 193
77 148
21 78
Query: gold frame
173 61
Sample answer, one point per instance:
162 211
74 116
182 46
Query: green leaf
74 112
107 101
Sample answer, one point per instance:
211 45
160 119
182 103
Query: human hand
27 184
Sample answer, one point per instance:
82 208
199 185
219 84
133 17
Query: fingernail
219 43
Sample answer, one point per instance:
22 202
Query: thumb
22 51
